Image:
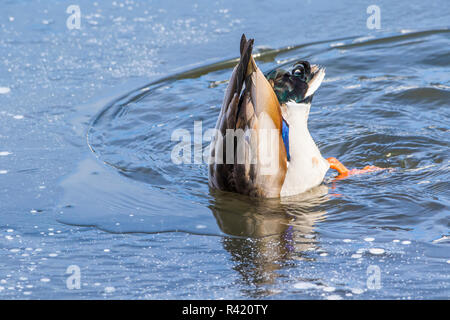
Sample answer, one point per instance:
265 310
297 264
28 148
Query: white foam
4 90
369 239
303 285
406 242
110 289
3 171
4 153
376 251
357 291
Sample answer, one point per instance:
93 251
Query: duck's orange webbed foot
344 172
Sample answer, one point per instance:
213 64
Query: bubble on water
395 240
376 251
347 240
406 242
4 90
18 117
334 297
448 261
3 171
369 239
110 289
53 255
14 250
328 289
45 280
357 291
23 278
356 256
303 285
27 293
323 254
106 250
200 226
4 153
10 230
9 237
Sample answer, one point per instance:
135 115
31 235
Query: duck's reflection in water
267 234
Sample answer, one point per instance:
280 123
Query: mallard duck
263 147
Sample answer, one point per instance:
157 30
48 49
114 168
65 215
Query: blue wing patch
285 136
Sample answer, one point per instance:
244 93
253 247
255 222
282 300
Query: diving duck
263 147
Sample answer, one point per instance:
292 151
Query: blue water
86 179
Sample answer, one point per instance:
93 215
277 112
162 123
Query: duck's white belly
307 167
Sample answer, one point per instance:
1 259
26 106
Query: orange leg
344 172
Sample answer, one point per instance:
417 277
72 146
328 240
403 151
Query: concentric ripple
374 107
365 111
